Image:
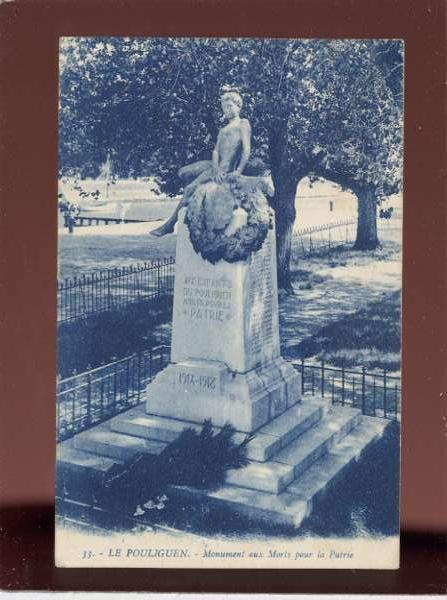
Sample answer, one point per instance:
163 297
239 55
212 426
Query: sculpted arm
246 145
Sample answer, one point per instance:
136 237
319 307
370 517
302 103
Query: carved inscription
260 296
198 381
207 299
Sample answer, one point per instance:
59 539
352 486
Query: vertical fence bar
139 356
313 381
343 385
322 379
101 406
364 390
89 398
115 384
302 375
127 379
333 389
374 396
384 394
73 410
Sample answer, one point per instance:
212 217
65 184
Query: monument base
195 390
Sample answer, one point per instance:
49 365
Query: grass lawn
85 251
368 337
346 310
98 339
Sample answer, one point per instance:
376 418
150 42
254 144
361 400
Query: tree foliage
324 108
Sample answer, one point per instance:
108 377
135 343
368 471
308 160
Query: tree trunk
285 181
284 205
367 219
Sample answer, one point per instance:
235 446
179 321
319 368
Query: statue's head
231 101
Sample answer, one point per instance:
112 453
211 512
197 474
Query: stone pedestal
225 360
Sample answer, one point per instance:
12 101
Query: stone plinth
227 312
225 360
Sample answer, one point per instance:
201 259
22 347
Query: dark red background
28 189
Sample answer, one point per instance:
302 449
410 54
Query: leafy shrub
196 459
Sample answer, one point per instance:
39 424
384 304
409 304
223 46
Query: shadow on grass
366 500
368 337
101 338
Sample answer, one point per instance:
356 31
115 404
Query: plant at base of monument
195 459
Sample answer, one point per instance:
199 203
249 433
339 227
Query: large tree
317 107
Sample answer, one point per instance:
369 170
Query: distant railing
110 289
377 394
82 220
94 396
322 239
107 290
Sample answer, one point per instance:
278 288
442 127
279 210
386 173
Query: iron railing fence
94 396
377 393
103 291
106 290
322 239
83 220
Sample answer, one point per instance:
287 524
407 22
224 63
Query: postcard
229 302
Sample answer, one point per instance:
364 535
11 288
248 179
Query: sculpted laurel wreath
210 212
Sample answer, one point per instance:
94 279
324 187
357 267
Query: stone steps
295 458
80 461
349 449
315 442
268 441
298 455
295 503
103 441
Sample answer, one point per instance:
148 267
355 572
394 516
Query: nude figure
230 156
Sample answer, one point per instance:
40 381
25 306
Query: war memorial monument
225 363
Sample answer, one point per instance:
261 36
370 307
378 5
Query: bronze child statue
230 156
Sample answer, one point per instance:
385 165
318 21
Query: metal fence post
127 379
302 375
374 396
322 379
363 390
139 356
115 384
89 398
343 385
384 394
158 279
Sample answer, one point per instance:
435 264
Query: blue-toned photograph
229 302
